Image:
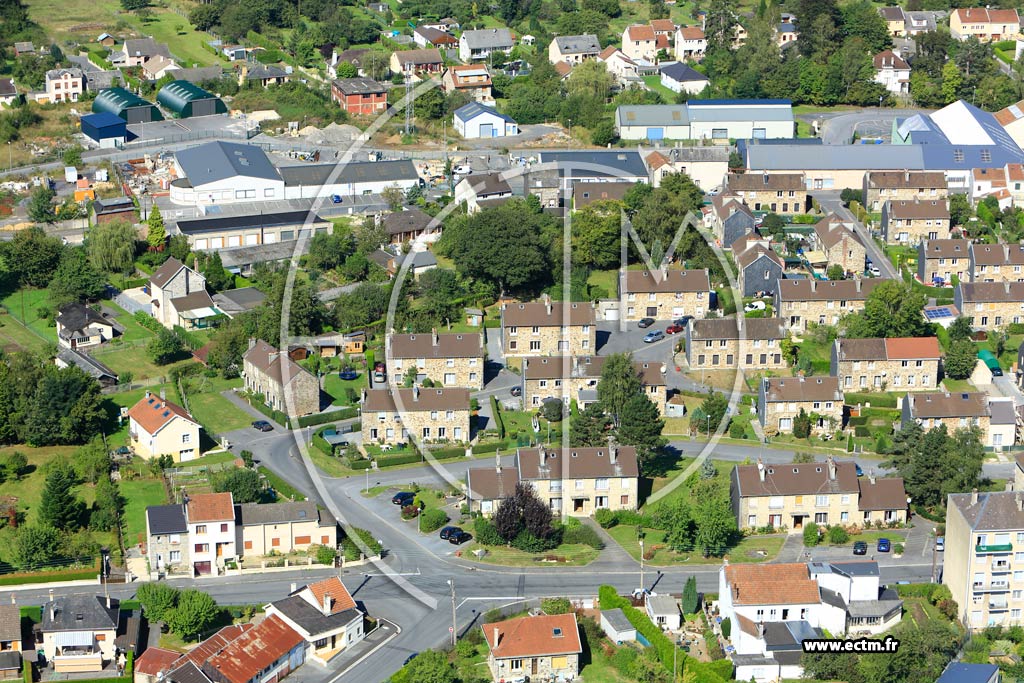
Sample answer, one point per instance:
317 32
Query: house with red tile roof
893 364
210 519
268 651
640 42
158 427
543 647
986 24
325 615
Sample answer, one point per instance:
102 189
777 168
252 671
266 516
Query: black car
458 537
645 322
860 548
348 374
410 658
263 426
516 391
682 321
123 450
447 532
403 498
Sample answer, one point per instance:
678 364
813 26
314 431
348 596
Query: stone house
390 416
729 219
990 305
943 260
542 647
784 193
912 222
548 328
882 186
167 540
581 480
781 399
284 384
804 301
996 262
957 410
454 360
664 294
567 379
158 427
179 296
760 268
727 343
886 364
839 244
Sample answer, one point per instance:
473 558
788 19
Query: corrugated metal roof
362 172
838 157
474 109
216 161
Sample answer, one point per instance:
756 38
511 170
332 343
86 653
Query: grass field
749 549
25 305
16 337
133 359
335 386
138 495
575 555
653 84
215 412
26 492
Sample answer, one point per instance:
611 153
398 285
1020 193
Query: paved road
837 128
830 202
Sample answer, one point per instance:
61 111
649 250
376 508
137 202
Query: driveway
837 128
830 202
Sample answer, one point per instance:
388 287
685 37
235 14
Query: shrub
326 555
583 535
433 519
689 602
837 535
810 534
552 411
485 533
410 511
898 548
351 548
529 543
606 518
726 627
556 605
861 431
737 430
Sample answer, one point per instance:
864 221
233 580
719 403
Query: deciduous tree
194 613
111 246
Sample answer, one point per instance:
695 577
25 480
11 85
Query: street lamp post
709 426
451 582
641 563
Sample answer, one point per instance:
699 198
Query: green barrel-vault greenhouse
127 105
185 100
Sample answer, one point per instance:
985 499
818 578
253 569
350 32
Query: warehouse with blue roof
475 120
126 105
105 129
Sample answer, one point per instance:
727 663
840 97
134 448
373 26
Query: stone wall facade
575 340
887 375
665 305
394 427
447 372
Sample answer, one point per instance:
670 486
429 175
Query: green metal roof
177 95
116 100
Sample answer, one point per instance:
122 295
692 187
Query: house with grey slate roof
79 631
481 44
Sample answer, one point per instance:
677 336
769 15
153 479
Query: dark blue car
884 545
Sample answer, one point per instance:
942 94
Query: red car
674 329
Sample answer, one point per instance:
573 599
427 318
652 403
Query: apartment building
664 294
580 479
548 328
784 193
959 410
726 343
882 186
390 416
996 262
792 495
781 399
986 24
914 221
886 364
984 549
453 359
575 379
939 261
284 527
838 244
806 301
990 305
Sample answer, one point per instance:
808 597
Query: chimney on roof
163 394
415 393
547 303
1020 502
871 477
252 342
974 496
108 602
613 453
765 178
294 586
148 393
831 467
497 461
435 340
364 396
327 605
760 470
497 636
1006 287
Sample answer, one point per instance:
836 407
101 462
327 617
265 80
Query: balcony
990 549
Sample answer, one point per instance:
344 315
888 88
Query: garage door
139 115
486 130
203 568
678 311
252 239
201 244
204 108
655 133
269 238
217 243
235 241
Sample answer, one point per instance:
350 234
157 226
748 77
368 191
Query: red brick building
360 95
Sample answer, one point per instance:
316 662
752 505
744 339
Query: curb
398 631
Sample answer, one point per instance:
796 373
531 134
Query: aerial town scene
524 341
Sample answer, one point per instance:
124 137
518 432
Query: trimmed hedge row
877 400
275 415
320 443
330 416
496 409
448 453
76 574
392 460
359 464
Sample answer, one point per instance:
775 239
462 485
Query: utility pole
642 564
451 582
408 100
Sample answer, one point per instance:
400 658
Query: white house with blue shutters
475 120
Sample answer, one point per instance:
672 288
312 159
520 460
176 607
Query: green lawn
606 279
26 492
336 386
575 555
133 331
653 83
215 412
26 304
135 360
682 492
285 491
16 337
139 494
749 549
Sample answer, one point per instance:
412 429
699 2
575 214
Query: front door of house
534 668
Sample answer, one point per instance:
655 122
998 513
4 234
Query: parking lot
382 506
610 339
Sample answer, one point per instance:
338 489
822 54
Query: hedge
349 548
879 400
915 590
433 519
100 59
148 321
920 510
275 415
448 453
320 443
392 460
330 416
26 671
497 417
74 574
191 341
490 448
1015 328
359 464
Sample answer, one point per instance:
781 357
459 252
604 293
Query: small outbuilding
105 129
475 120
128 106
616 626
185 100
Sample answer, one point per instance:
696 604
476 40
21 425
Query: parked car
410 658
516 391
124 450
884 545
653 336
674 329
873 269
459 537
263 426
403 498
448 531
645 323
755 306
379 375
336 198
462 169
860 471
860 548
348 374
684 321
940 543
